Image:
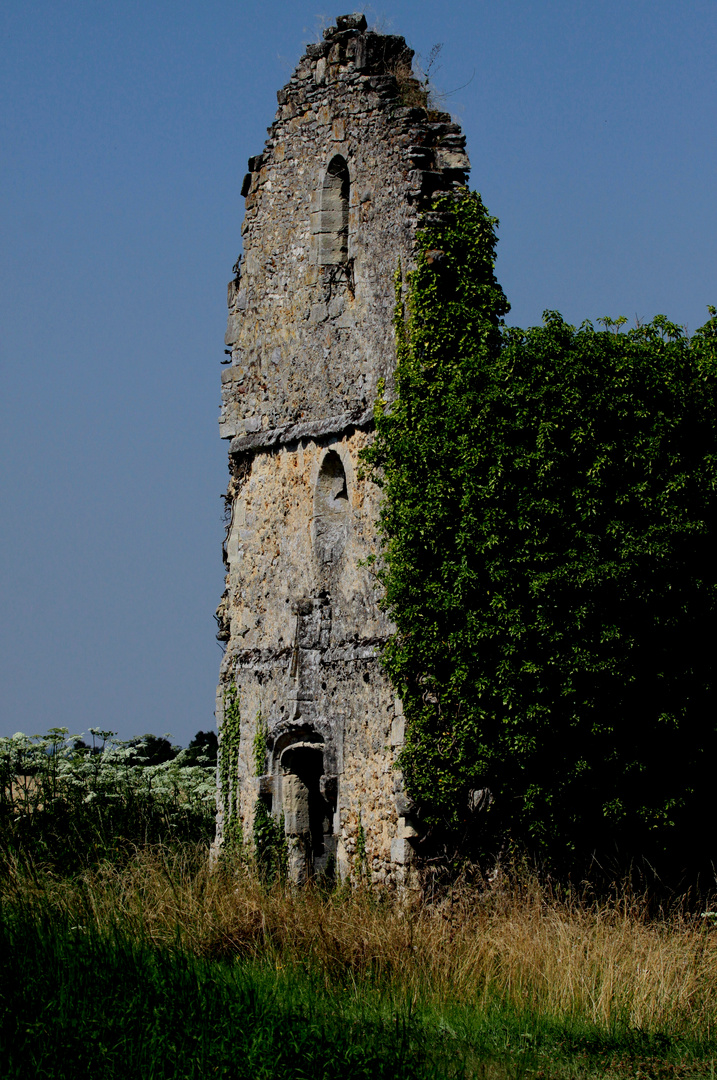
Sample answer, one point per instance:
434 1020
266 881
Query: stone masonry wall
332 204
310 342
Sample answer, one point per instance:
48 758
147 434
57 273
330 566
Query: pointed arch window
334 214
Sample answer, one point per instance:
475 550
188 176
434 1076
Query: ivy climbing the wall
549 525
361 859
259 744
270 847
229 769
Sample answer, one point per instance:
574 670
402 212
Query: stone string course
309 344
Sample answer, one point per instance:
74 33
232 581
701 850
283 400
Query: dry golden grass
514 944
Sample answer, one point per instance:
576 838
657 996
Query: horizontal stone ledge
309 429
347 653
367 649
248 657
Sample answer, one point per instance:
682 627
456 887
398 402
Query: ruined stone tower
333 203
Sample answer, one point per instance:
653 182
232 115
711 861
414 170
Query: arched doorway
308 805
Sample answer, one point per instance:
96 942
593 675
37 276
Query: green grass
76 1001
123 958
75 1004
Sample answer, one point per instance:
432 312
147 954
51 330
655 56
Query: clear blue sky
124 133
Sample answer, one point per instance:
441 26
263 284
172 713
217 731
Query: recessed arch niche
331 510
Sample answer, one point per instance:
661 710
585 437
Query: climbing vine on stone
270 847
361 861
259 744
548 532
229 767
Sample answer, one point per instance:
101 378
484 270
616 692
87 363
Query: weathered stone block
401 851
297 860
356 21
451 159
406 829
295 800
264 785
233 330
398 730
316 50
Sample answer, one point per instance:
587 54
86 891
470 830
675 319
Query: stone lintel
310 429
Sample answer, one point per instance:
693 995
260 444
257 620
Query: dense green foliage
549 528
68 804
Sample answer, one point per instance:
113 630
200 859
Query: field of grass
161 968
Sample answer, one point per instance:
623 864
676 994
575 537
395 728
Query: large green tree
549 531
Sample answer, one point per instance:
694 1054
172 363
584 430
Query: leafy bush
549 528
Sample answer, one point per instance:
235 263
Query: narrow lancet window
334 214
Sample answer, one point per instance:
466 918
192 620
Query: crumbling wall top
352 159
